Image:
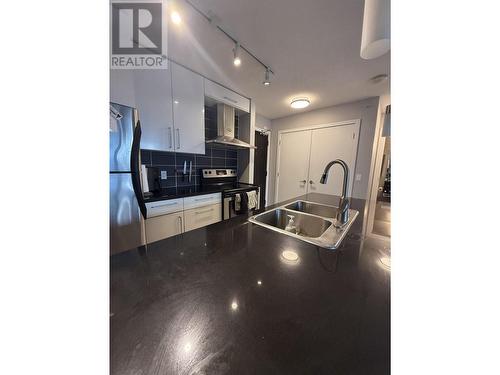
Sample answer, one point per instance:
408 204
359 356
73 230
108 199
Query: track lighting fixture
267 81
216 22
236 51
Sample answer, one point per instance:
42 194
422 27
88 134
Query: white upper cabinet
189 110
153 96
221 94
121 87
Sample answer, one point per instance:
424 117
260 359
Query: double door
304 154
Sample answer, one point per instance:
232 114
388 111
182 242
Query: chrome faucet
343 212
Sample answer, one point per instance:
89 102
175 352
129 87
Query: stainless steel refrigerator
127 209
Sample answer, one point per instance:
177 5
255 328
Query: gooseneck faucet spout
343 212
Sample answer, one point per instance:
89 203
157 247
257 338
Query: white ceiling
312 46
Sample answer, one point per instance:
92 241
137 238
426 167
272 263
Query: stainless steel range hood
225 128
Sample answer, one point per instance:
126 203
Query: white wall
262 122
365 110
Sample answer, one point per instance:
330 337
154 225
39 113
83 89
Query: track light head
267 81
236 52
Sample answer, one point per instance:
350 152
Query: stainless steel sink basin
307 225
313 208
314 222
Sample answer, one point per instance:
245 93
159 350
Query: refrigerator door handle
135 169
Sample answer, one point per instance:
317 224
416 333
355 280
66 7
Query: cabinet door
153 95
121 87
327 144
221 94
202 216
189 110
293 164
160 227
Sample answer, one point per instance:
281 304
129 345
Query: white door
189 110
293 164
327 144
153 93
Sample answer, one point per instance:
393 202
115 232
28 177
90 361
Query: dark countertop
192 304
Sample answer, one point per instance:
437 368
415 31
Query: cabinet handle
203 212
180 223
170 136
165 205
302 181
178 138
202 199
231 100
311 182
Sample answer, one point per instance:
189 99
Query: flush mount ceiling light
267 81
298 103
376 36
236 51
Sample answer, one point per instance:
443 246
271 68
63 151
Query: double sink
314 222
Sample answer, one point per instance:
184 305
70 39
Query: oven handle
227 195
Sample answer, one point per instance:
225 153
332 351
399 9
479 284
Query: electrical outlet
163 175
358 177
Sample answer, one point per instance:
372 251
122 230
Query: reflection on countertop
224 299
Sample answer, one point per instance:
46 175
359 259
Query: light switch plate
163 175
358 177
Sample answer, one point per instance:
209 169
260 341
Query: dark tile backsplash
173 163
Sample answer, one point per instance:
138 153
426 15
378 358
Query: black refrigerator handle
135 168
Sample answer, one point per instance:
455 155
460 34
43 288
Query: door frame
372 197
355 122
268 134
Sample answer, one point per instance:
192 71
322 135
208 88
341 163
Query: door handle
178 138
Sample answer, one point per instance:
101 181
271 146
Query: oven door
228 210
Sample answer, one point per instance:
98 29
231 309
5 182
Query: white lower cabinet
160 227
202 216
175 216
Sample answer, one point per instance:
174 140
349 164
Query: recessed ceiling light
300 103
175 17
